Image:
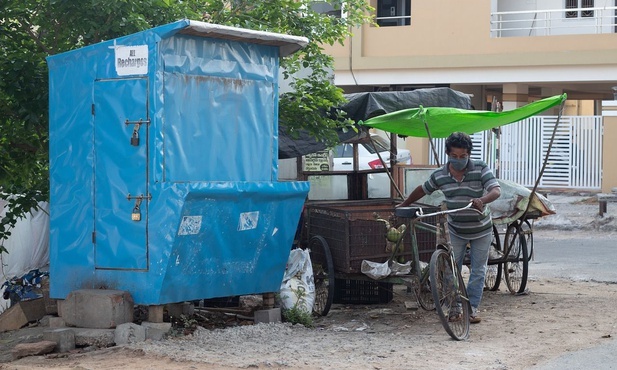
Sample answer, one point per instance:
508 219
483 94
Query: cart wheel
323 273
528 231
517 259
493 270
424 294
449 297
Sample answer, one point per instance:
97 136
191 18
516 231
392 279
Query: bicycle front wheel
450 295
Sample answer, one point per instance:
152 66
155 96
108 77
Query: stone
156 330
99 338
129 333
63 337
97 308
21 314
251 302
267 316
56 322
32 349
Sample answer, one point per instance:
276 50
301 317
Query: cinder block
97 308
129 333
156 330
267 316
64 338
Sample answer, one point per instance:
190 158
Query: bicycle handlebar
419 213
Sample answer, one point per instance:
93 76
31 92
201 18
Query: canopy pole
386 168
548 151
430 139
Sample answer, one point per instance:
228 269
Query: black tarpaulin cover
362 106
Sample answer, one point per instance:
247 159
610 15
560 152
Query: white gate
575 160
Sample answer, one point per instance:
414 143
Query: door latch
136 215
135 135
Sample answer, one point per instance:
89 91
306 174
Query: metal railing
549 22
575 160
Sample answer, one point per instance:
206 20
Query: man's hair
459 140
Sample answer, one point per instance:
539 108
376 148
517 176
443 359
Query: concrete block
156 330
64 338
129 333
32 349
155 313
56 322
22 313
267 316
101 338
178 309
97 308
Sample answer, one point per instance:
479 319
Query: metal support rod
548 151
385 167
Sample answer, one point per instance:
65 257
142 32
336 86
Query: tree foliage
31 30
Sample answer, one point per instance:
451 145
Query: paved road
581 259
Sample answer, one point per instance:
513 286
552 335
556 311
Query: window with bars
579 4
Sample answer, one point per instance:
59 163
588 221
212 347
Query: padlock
135 138
136 215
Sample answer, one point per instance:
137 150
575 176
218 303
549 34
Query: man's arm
478 203
415 195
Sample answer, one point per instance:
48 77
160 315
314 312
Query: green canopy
443 121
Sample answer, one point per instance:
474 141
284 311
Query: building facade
505 53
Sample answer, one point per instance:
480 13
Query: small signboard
319 161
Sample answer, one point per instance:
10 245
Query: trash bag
298 286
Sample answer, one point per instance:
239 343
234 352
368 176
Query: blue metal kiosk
163 165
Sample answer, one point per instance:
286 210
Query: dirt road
517 332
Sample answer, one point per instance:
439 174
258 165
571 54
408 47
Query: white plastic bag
298 286
380 270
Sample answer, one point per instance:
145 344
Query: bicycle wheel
492 279
323 273
450 296
516 265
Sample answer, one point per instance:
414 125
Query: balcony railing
575 21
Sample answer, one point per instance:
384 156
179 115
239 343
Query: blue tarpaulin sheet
163 165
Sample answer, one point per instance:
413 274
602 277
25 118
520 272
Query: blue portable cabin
163 165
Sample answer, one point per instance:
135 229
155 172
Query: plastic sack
375 270
298 286
380 270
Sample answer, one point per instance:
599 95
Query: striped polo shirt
476 182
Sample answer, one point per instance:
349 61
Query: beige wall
609 170
456 34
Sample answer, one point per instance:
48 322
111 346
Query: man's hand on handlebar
478 204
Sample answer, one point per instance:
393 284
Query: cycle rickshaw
342 236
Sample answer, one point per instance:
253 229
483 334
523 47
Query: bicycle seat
406 212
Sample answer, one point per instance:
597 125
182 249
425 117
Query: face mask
459 164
